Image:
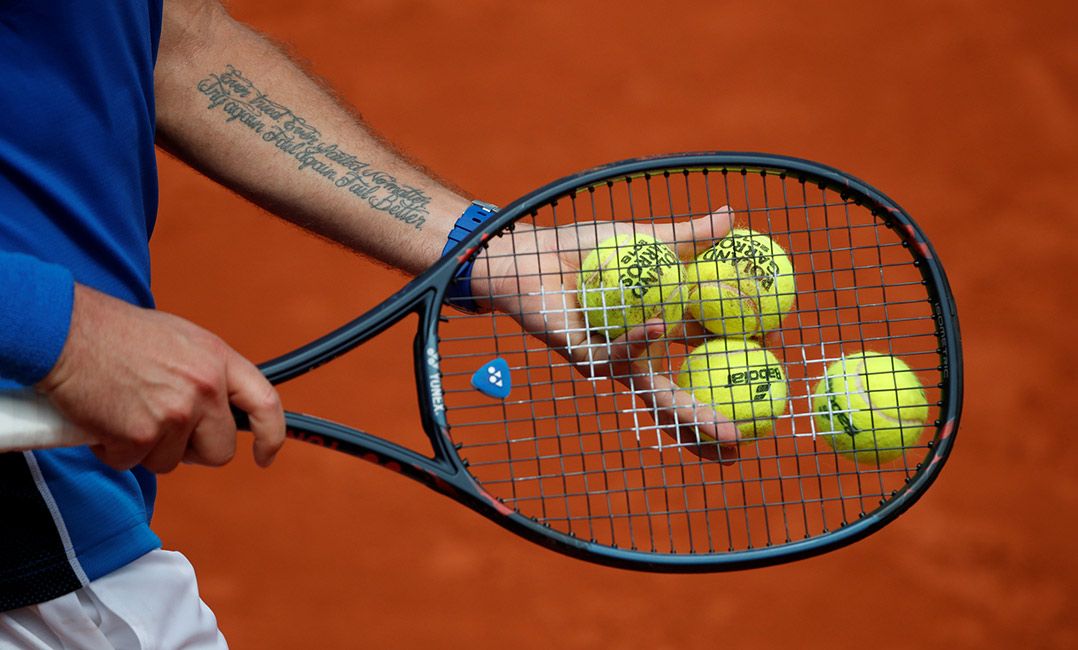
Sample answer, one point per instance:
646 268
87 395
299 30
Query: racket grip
29 421
243 422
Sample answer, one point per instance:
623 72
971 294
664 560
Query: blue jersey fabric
78 198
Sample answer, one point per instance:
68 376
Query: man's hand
155 389
531 275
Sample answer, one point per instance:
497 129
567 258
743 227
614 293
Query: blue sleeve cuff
36 299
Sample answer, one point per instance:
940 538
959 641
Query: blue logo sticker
493 379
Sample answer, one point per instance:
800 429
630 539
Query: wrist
82 300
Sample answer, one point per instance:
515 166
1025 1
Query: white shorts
151 603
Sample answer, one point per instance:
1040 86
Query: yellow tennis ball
740 380
870 406
628 279
742 286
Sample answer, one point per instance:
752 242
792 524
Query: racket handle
29 421
243 422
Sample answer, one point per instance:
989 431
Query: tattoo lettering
234 96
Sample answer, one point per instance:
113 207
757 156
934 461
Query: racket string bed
589 455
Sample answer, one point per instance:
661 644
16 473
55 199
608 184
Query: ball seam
741 297
863 393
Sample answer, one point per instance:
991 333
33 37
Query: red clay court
963 113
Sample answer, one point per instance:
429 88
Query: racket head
566 461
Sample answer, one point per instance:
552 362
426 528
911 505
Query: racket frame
447 473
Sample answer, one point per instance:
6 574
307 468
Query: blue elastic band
459 292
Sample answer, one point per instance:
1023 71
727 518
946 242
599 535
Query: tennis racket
578 460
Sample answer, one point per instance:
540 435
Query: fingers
678 407
596 356
635 361
123 454
169 450
213 441
697 427
202 430
634 344
250 392
689 438
687 332
693 236
154 389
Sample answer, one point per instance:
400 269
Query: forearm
234 106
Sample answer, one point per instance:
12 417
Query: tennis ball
870 406
628 279
739 379
742 286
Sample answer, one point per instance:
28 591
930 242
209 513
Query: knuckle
177 415
205 383
270 400
142 437
215 345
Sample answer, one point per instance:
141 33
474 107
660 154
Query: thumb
691 237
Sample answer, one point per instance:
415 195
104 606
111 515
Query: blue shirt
78 198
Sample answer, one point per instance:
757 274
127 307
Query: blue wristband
36 299
459 292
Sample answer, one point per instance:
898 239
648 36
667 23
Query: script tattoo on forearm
240 101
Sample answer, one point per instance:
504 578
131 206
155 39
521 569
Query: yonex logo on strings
493 379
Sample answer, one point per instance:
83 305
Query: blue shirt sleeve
35 314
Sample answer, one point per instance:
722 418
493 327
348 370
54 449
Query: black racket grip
243 423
